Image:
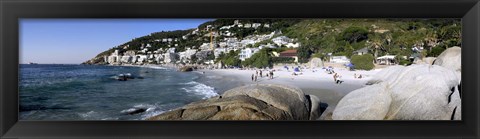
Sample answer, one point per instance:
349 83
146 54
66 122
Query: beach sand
314 81
318 83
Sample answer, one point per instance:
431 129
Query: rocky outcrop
251 102
186 69
316 62
416 92
450 58
426 60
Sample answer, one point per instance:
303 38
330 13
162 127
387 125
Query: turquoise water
90 92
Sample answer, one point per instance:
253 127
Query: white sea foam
155 67
88 115
151 114
201 89
147 107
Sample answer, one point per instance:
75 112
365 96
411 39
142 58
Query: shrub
436 51
283 60
363 62
260 59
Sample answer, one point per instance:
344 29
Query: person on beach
261 74
271 74
253 77
339 80
335 77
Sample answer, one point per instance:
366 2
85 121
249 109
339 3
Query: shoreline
316 83
311 81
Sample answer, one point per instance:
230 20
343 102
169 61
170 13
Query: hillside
316 38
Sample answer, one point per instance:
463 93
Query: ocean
91 92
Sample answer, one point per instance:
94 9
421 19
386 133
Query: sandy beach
312 81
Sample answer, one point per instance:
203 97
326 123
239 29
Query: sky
73 41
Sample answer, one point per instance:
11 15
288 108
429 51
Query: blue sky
73 41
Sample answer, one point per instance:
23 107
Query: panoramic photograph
240 69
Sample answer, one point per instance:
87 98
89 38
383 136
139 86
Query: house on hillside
247 53
293 45
362 51
282 40
289 53
256 25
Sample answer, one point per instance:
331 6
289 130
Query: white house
205 46
266 46
247 42
141 58
171 50
219 51
126 59
386 60
159 58
247 53
339 59
282 40
170 57
293 45
256 25
361 51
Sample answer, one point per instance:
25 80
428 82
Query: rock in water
186 69
417 92
251 102
134 111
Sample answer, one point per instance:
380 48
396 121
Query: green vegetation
402 61
363 62
283 60
318 37
229 59
380 36
261 59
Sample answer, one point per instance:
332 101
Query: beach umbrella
296 69
350 65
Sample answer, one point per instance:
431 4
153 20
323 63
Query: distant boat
31 63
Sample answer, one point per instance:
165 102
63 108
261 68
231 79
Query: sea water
91 92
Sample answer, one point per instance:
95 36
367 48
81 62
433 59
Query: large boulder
369 103
186 69
426 60
251 102
387 74
416 92
316 62
451 59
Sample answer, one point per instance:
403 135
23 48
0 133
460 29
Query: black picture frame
12 10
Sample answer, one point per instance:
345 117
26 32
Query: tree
261 59
355 34
304 53
229 59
